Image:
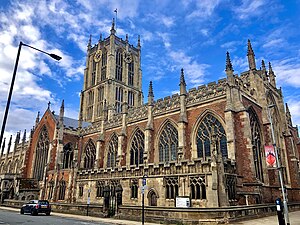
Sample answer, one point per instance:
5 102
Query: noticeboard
183 202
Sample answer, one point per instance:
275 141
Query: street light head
56 57
271 106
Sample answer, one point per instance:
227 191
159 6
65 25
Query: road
15 218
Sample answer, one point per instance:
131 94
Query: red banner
270 156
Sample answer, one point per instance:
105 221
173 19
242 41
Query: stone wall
187 216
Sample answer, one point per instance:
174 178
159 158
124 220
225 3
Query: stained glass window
41 152
112 152
89 155
256 144
137 148
210 129
168 143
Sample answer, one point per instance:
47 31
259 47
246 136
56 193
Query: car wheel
22 211
33 213
48 214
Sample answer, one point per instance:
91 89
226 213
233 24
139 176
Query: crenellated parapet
167 104
206 92
137 113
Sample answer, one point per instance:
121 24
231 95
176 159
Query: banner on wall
270 156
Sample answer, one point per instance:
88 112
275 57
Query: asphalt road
15 218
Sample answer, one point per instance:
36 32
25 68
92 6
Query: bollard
280 213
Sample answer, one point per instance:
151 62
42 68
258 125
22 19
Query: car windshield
43 202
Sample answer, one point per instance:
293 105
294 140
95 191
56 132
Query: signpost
88 202
144 182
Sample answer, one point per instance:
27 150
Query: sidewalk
269 220
90 218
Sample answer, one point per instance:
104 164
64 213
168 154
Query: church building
211 145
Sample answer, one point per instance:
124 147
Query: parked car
34 207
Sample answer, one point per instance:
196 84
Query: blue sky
193 35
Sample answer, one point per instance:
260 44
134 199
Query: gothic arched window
119 65
198 188
210 131
103 65
256 144
137 148
112 152
89 155
119 99
168 143
68 156
50 189
62 190
41 154
130 73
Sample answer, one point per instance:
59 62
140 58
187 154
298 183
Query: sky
189 34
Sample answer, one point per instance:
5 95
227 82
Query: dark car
34 207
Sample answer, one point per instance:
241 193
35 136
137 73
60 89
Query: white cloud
194 71
294 107
204 9
250 8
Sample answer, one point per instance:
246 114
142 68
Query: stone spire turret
229 69
37 120
100 38
182 83
17 140
24 137
288 115
272 76
251 57
139 42
3 146
126 39
150 94
89 43
112 30
264 71
62 110
9 144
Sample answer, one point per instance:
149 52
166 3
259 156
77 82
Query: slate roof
72 123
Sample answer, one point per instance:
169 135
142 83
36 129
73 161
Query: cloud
250 8
194 71
294 106
287 72
203 9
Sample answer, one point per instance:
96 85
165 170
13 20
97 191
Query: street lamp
56 57
279 168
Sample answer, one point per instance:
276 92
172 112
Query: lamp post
56 57
279 168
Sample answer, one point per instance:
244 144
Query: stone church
207 144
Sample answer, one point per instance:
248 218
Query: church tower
112 76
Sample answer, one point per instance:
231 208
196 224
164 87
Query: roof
72 123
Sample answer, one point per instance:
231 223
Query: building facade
211 144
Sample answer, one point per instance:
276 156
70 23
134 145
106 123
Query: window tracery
112 152
256 145
210 131
62 190
100 187
68 156
134 188
137 148
89 155
168 143
119 65
41 152
50 189
198 187
171 187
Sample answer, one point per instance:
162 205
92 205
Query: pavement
269 220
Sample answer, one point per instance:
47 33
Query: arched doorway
152 198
